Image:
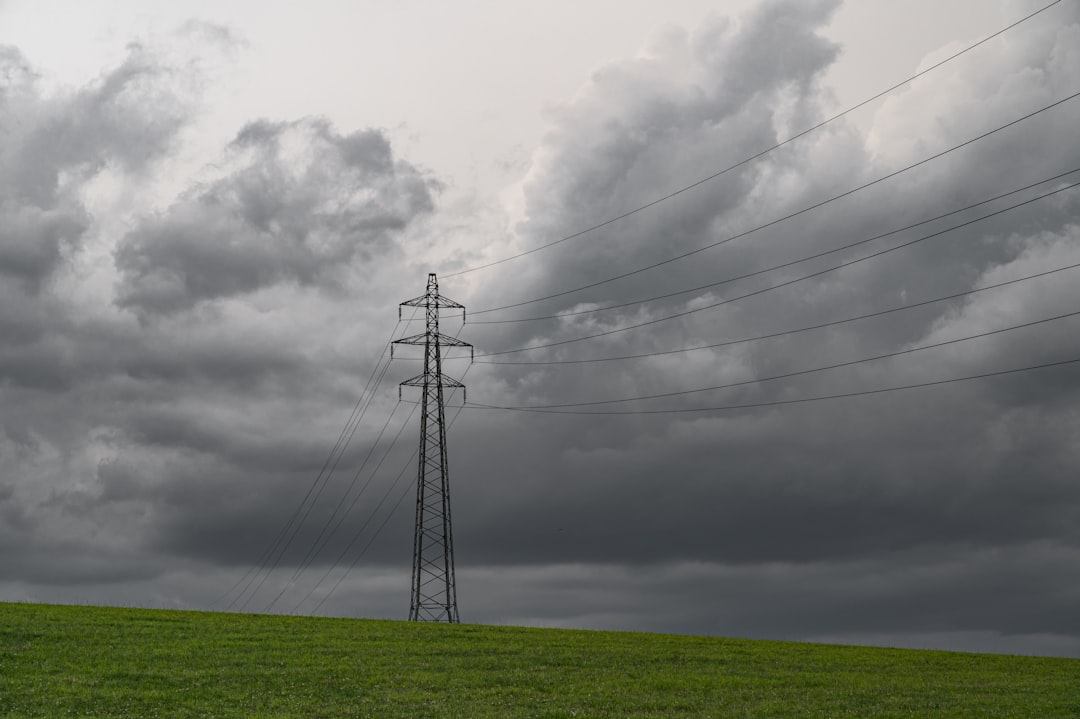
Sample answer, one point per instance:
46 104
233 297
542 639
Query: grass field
59 661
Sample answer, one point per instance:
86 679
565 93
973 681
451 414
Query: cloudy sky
209 213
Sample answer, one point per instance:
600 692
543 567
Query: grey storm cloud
297 202
961 470
864 507
53 144
157 440
168 421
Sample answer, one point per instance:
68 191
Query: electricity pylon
434 596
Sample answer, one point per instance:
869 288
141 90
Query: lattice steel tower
434 596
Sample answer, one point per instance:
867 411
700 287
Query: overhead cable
771 335
755 273
374 472
757 155
299 523
799 373
263 565
789 216
326 533
782 284
775 403
346 433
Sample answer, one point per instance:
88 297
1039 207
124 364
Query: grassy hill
105 662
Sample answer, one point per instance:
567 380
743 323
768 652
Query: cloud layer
169 392
797 493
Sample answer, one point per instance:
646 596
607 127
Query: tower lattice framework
434 595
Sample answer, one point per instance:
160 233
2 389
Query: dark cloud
297 203
961 471
158 435
892 514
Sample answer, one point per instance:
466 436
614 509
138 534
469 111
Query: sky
209 213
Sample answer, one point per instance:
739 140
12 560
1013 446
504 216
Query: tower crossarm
423 337
426 339
447 381
418 381
435 301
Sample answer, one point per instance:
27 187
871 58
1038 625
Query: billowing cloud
165 426
296 203
54 144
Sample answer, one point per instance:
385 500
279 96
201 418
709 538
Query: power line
755 273
356 498
781 284
304 511
754 405
318 493
345 432
779 220
750 159
772 335
359 533
323 538
263 565
788 375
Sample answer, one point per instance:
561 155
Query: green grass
59 661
